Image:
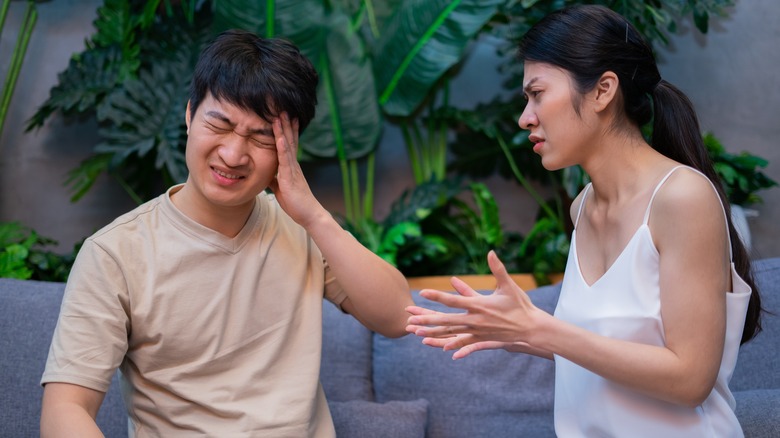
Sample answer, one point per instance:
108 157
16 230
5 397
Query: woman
657 294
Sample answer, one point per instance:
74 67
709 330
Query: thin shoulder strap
658 186
722 207
582 203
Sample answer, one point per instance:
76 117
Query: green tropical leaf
247 15
701 19
347 120
421 41
82 178
489 222
89 77
146 115
12 262
417 203
113 23
347 123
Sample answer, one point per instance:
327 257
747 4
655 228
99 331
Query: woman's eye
531 94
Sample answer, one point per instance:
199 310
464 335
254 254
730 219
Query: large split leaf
147 115
347 123
89 77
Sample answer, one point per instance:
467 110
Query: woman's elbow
394 328
694 392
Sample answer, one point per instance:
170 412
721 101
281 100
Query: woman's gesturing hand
505 319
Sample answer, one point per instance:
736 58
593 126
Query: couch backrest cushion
345 373
489 393
758 363
28 315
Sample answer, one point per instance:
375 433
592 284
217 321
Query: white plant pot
739 216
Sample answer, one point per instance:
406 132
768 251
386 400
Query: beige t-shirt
214 336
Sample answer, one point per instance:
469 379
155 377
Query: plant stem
22 41
441 156
371 18
188 6
422 150
168 8
355 183
414 158
269 18
129 190
3 14
368 196
521 179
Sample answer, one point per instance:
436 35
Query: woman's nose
527 118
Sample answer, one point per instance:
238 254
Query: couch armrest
757 411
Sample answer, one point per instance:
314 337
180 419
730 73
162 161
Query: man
209 298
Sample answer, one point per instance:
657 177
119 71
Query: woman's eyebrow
527 86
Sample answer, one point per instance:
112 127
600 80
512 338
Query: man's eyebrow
218 115
221 117
527 86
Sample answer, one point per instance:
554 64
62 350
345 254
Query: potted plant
741 177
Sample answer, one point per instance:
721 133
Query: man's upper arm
91 337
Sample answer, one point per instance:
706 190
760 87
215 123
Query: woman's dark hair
264 75
589 40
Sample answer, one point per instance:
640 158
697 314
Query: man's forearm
68 420
70 411
377 292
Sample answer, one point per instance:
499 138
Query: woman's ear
188 117
605 91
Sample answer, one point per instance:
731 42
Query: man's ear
605 91
188 117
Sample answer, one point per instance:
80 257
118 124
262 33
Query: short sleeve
91 337
333 290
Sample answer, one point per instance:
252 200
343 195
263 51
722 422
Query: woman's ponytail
677 135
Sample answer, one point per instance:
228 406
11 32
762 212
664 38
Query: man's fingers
289 133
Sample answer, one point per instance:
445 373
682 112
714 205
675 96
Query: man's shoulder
129 221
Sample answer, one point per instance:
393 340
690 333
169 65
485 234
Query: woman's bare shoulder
687 204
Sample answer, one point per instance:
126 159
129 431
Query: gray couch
379 387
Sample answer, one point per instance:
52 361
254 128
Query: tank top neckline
642 227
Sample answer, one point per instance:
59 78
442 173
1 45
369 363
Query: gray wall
34 165
729 75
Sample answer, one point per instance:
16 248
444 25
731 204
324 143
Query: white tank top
625 303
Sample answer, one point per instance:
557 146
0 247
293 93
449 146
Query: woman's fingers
462 287
503 280
449 299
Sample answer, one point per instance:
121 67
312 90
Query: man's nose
233 150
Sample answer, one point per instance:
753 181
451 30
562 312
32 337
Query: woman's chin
550 164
